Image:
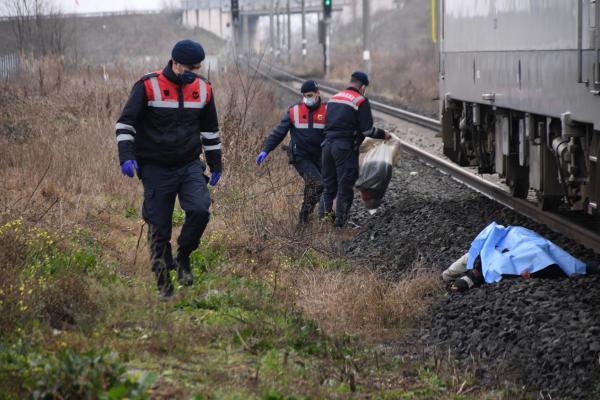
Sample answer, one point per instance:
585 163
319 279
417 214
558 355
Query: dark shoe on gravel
470 280
184 270
164 284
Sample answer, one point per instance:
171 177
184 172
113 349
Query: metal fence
9 65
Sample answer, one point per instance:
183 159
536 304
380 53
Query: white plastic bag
375 171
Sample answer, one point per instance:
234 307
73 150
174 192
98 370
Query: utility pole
289 31
235 16
303 32
326 26
245 34
221 19
271 27
278 37
366 34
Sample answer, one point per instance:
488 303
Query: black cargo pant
310 171
340 172
161 186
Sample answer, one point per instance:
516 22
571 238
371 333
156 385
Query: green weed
210 255
178 216
132 212
92 374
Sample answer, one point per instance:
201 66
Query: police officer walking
306 121
348 121
169 119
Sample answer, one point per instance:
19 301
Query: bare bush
39 26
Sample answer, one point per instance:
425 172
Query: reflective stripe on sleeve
215 147
125 127
209 135
369 132
125 136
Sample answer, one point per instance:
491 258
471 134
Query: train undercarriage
556 158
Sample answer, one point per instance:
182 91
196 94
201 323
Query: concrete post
303 31
366 35
289 32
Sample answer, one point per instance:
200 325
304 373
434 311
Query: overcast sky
86 6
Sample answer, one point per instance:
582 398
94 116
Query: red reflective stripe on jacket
351 97
161 92
303 112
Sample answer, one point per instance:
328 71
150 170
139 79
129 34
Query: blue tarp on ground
512 250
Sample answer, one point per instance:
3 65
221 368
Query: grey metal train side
520 94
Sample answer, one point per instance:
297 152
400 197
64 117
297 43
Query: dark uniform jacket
168 123
306 126
349 117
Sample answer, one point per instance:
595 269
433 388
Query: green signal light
327 2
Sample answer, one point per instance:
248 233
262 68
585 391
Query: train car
520 94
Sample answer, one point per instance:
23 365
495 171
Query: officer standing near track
348 121
306 121
169 119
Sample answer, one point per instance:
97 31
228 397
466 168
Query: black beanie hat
361 77
188 52
309 86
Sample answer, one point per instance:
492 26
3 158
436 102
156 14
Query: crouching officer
349 120
169 119
306 121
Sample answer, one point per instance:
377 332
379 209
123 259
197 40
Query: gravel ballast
541 333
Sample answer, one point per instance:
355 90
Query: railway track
554 221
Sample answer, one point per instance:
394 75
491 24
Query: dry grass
57 142
59 169
361 303
59 172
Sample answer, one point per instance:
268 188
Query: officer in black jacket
349 120
306 121
169 119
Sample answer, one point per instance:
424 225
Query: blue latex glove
261 157
129 168
214 178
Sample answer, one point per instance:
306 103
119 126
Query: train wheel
548 202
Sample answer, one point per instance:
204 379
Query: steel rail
576 232
417 119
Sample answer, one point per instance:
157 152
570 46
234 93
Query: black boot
169 258
164 284
303 218
184 270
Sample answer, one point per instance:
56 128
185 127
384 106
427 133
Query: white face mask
310 102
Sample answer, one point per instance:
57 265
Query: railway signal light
327 8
